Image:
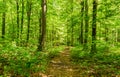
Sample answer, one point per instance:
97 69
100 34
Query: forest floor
59 62
62 66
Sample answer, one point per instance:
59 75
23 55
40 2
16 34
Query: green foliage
53 52
21 61
102 46
101 62
77 53
63 26
2 7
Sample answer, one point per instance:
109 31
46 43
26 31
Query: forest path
61 66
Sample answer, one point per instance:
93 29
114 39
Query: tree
22 19
118 35
81 28
94 24
29 4
86 25
18 25
72 25
3 22
43 25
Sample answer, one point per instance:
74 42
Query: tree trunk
94 24
3 22
52 35
68 34
106 29
118 35
82 16
22 19
86 25
17 5
28 19
43 25
72 25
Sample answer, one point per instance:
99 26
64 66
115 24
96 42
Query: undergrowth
101 63
24 61
20 61
54 52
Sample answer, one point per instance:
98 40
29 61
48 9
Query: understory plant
102 62
21 61
53 52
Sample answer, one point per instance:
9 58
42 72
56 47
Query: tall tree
81 26
94 25
118 35
29 4
43 25
3 21
22 19
106 25
17 5
86 25
72 25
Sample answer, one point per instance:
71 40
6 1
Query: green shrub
77 53
53 52
100 56
102 62
21 61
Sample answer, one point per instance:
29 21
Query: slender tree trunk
82 16
106 33
43 25
68 40
3 36
106 25
17 5
94 25
106 29
52 35
72 25
72 36
28 19
3 22
40 34
13 36
118 35
22 19
86 25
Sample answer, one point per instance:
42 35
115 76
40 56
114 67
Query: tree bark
94 25
86 25
29 4
22 19
3 22
17 5
43 26
118 35
81 27
72 25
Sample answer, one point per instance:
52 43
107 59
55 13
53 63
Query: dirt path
61 66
